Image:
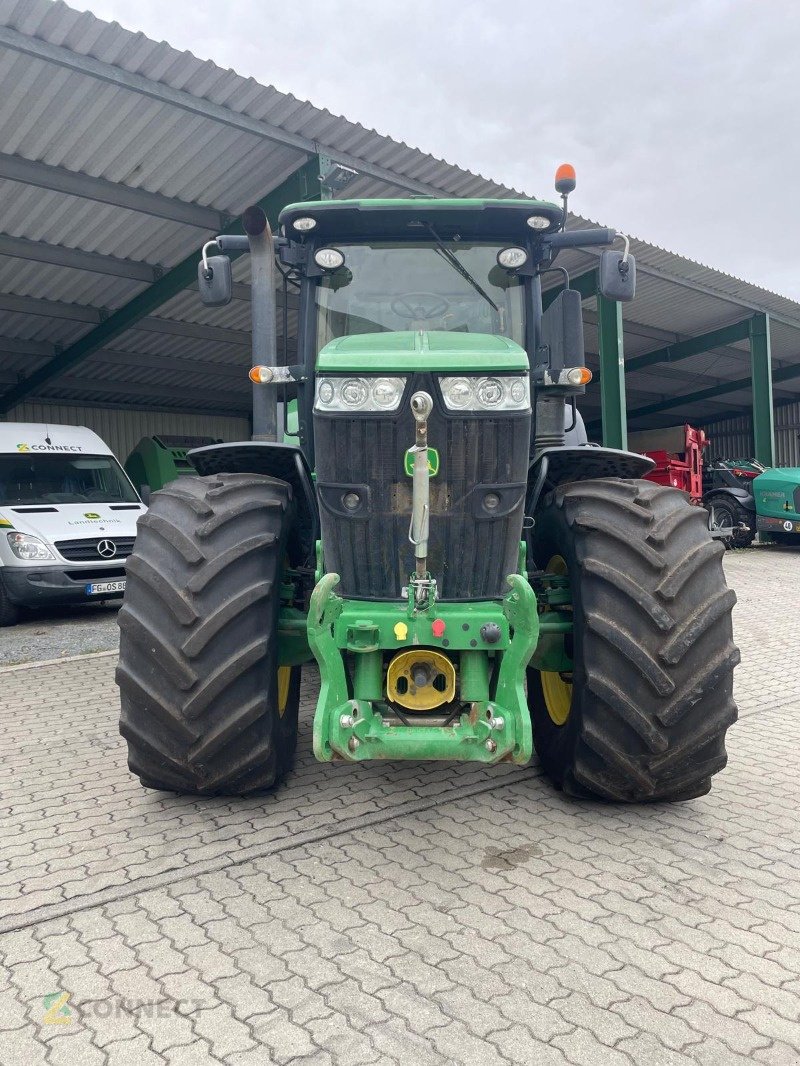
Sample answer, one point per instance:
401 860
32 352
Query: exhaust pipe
264 322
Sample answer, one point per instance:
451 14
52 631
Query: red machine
678 455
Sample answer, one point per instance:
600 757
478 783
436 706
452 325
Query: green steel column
761 371
612 373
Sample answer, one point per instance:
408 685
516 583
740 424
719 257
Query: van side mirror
215 280
617 276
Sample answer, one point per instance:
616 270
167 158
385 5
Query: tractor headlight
496 393
359 394
512 258
329 258
386 392
354 392
457 393
31 549
489 392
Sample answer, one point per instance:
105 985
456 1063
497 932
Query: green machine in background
155 461
752 499
777 497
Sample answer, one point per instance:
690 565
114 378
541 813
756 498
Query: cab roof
360 220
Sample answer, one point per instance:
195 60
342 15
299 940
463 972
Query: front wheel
206 708
9 612
642 711
728 518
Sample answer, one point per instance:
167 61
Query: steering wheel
418 305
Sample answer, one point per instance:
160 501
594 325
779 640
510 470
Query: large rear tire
205 707
642 715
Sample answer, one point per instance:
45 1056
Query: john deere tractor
473 579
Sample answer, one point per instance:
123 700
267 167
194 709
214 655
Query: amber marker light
579 375
261 375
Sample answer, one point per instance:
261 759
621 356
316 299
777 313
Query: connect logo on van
49 448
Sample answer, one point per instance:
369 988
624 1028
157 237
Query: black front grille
471 550
79 551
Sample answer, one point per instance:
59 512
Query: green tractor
473 579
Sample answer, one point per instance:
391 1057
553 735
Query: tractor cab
458 266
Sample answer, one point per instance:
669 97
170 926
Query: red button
438 627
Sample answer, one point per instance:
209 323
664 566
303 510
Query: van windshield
27 478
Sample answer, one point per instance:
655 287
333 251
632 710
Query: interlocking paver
480 917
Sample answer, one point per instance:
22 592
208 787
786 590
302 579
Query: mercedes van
67 518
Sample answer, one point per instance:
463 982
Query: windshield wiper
447 255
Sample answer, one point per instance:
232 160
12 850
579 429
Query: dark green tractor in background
471 576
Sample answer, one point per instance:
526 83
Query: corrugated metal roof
162 143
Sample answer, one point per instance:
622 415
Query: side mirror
562 332
215 280
617 276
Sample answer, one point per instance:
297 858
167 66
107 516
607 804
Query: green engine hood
403 352
774 491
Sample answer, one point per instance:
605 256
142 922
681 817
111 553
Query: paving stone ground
408 914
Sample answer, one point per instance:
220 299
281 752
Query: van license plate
98 588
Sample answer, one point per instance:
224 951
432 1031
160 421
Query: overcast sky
682 118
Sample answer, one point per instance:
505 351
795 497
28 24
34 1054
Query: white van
67 518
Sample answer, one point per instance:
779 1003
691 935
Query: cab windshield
453 285
27 478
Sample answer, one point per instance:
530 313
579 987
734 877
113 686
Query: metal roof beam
153 90
746 412
15 346
199 369
140 390
74 183
75 259
673 353
33 305
709 290
237 338
697 286
301 184
787 373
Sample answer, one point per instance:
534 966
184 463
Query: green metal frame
760 381
673 353
761 374
302 184
755 329
497 726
